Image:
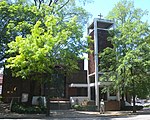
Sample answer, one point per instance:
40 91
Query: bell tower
99 31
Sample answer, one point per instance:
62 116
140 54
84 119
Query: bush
78 107
0 98
85 108
26 109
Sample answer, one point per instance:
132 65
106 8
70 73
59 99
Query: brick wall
102 44
112 105
77 77
91 63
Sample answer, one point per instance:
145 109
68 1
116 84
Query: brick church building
81 83
14 87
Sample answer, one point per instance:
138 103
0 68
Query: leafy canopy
129 58
17 17
54 44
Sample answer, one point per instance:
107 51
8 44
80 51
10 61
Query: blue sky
104 6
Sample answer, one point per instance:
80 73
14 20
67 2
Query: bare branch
50 2
63 5
39 4
35 2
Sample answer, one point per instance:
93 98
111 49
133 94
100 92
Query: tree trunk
133 87
134 107
31 93
123 91
48 105
122 102
48 98
42 89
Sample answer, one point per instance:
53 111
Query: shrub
22 109
85 108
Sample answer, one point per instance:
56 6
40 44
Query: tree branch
40 3
50 2
35 3
63 5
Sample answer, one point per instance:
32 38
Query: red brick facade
102 44
112 105
14 87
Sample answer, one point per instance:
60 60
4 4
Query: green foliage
54 44
25 109
42 38
127 62
17 18
85 108
124 11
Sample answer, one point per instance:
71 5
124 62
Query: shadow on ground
6 114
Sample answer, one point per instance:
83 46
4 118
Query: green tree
131 49
57 41
55 44
17 17
63 45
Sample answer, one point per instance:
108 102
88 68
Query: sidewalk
69 114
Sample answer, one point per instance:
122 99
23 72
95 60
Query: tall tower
98 30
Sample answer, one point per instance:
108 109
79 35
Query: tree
55 44
61 2
56 37
17 17
130 47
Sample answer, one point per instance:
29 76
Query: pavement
70 114
6 114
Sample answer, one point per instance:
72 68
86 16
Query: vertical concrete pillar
88 82
96 63
88 77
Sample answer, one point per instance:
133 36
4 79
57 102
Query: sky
103 7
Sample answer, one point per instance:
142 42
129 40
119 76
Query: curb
69 114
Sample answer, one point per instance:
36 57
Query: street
134 117
81 115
